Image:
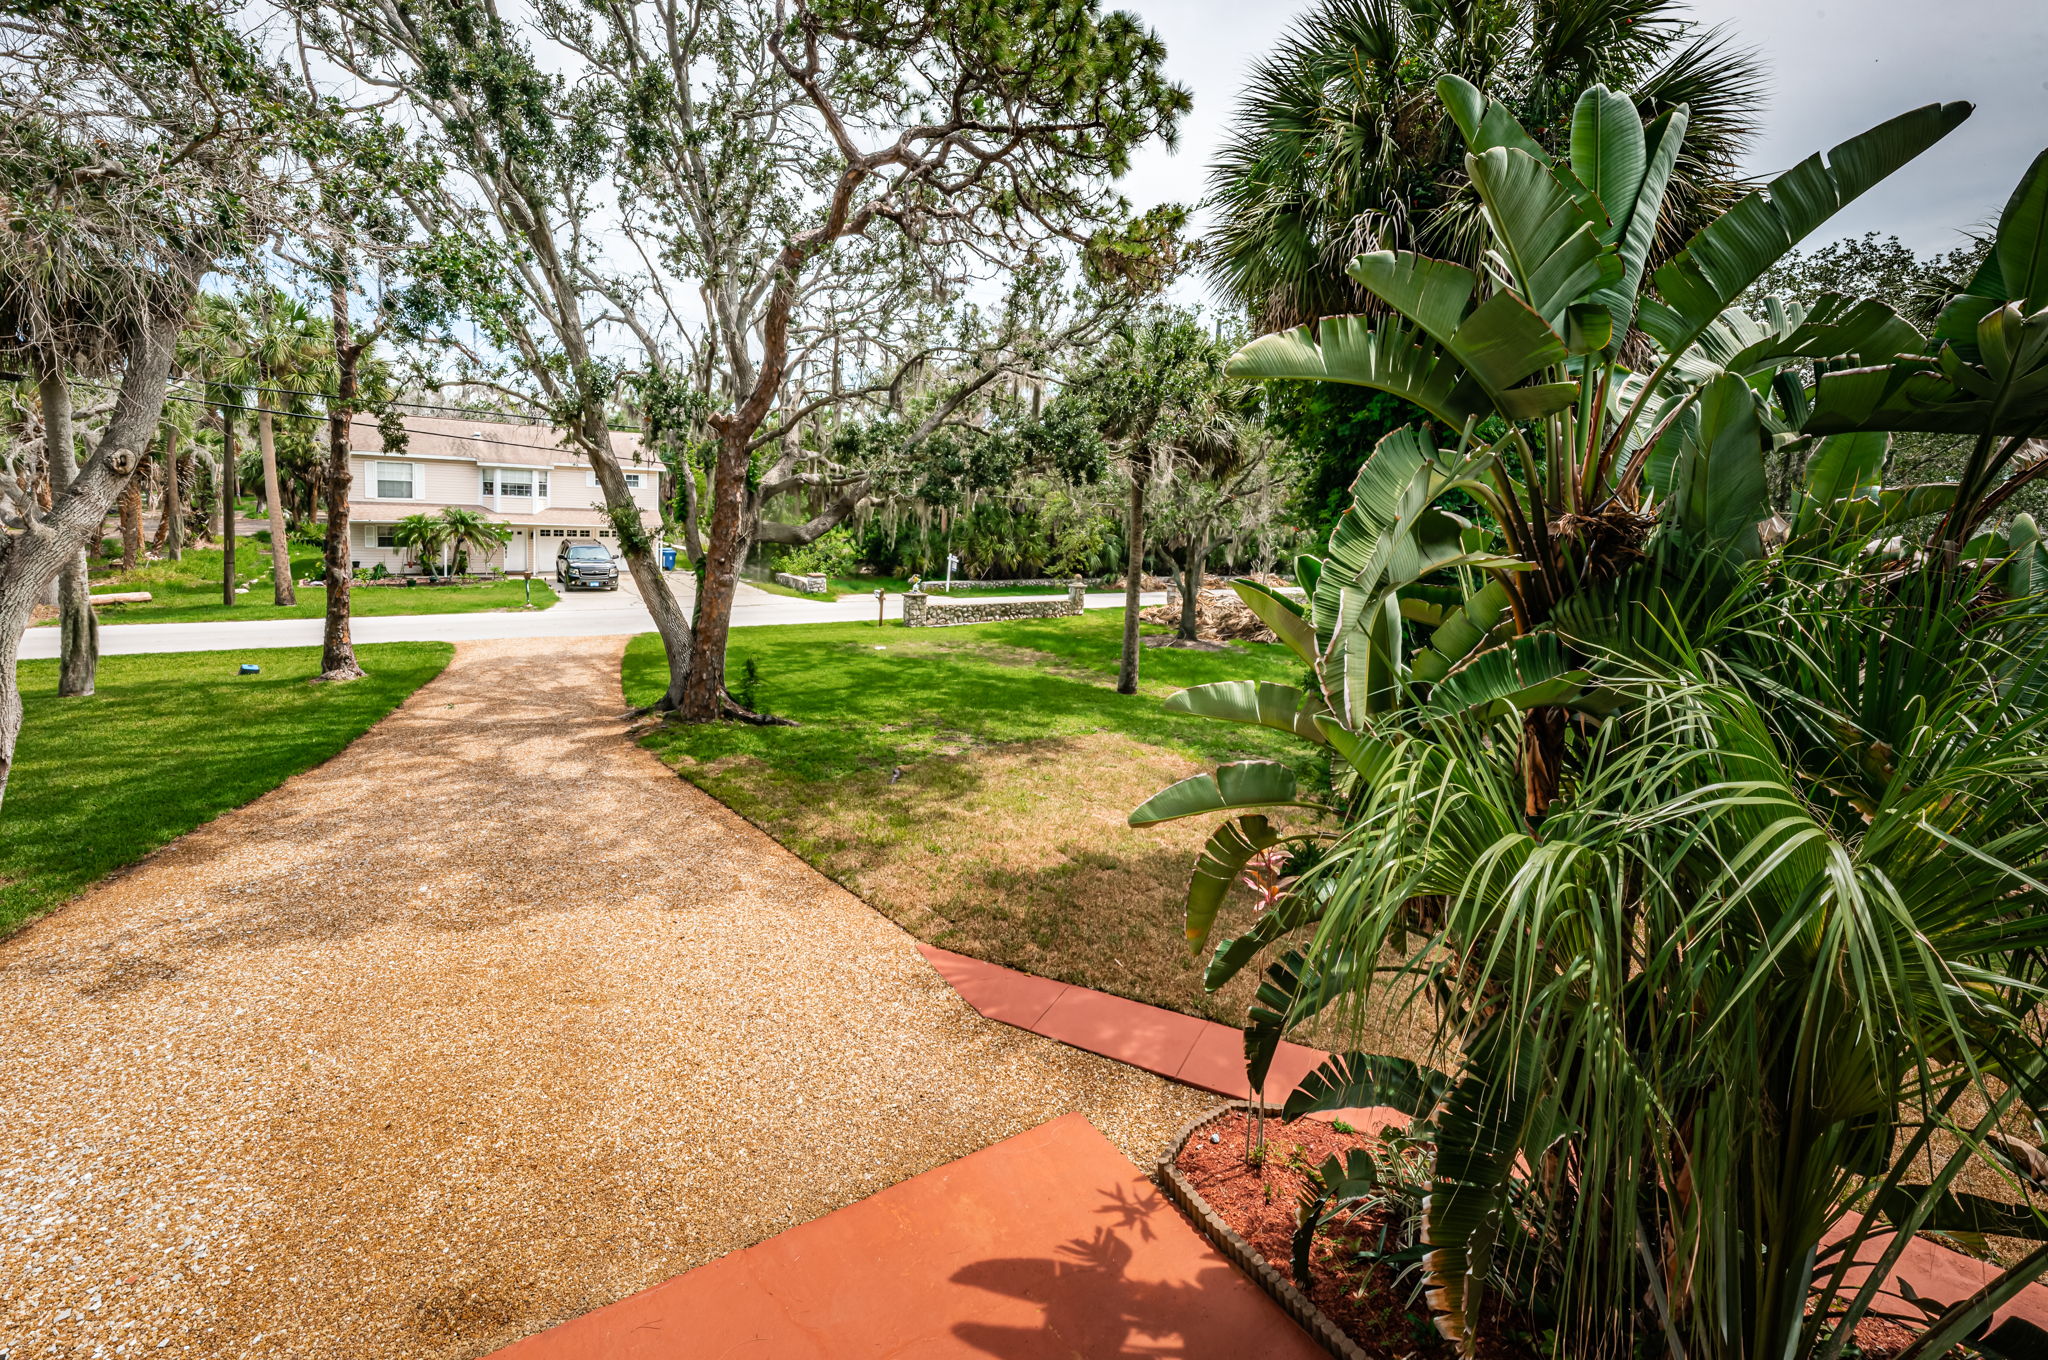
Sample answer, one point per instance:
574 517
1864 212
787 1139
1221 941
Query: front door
515 550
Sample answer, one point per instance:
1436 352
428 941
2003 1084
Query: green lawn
170 741
188 590
972 783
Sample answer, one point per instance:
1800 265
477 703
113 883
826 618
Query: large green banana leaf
1223 858
1610 154
1286 617
1461 633
2005 393
1553 245
1241 784
1733 251
1384 353
1835 327
1639 232
1841 466
1482 121
1258 702
2012 272
1524 672
1715 480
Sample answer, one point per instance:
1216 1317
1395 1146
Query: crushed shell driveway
487 1022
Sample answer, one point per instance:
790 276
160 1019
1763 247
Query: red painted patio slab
1198 1052
1935 1274
1150 1037
999 993
1046 1246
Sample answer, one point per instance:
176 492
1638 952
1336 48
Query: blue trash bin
668 558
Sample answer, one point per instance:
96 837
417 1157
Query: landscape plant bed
1248 1209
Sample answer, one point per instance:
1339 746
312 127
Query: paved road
603 614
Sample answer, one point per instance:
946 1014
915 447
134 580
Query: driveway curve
486 1022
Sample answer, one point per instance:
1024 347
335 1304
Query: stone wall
920 612
1050 583
809 585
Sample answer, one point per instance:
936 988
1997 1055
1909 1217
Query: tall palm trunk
170 525
1134 569
1191 587
79 645
227 504
280 551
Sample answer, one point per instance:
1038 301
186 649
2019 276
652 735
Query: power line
302 415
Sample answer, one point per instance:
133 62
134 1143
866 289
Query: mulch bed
1379 1310
1382 1313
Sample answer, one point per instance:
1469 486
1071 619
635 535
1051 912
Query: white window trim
416 477
633 481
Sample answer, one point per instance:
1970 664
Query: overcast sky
1836 67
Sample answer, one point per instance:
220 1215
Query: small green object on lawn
170 741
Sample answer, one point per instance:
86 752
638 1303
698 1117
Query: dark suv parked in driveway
586 565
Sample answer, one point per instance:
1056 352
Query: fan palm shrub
468 531
1719 867
426 537
1339 144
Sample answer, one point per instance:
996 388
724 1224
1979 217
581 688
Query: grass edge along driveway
170 741
971 783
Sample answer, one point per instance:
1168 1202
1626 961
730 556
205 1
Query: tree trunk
280 550
693 542
1134 571
31 557
227 504
79 646
703 696
131 524
1191 587
337 646
170 526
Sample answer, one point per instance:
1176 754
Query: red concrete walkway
1198 1052
1047 1246
1211 1056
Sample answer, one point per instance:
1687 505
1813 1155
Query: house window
515 482
540 484
398 481
632 479
490 481
383 535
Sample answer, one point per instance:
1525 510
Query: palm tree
215 350
1157 395
427 536
1719 867
468 530
287 348
1341 147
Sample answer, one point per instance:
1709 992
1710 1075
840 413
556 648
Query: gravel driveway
487 1022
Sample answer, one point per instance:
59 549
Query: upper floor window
515 482
632 479
398 481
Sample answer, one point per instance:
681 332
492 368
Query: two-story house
517 475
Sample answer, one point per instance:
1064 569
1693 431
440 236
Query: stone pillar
1077 595
913 609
